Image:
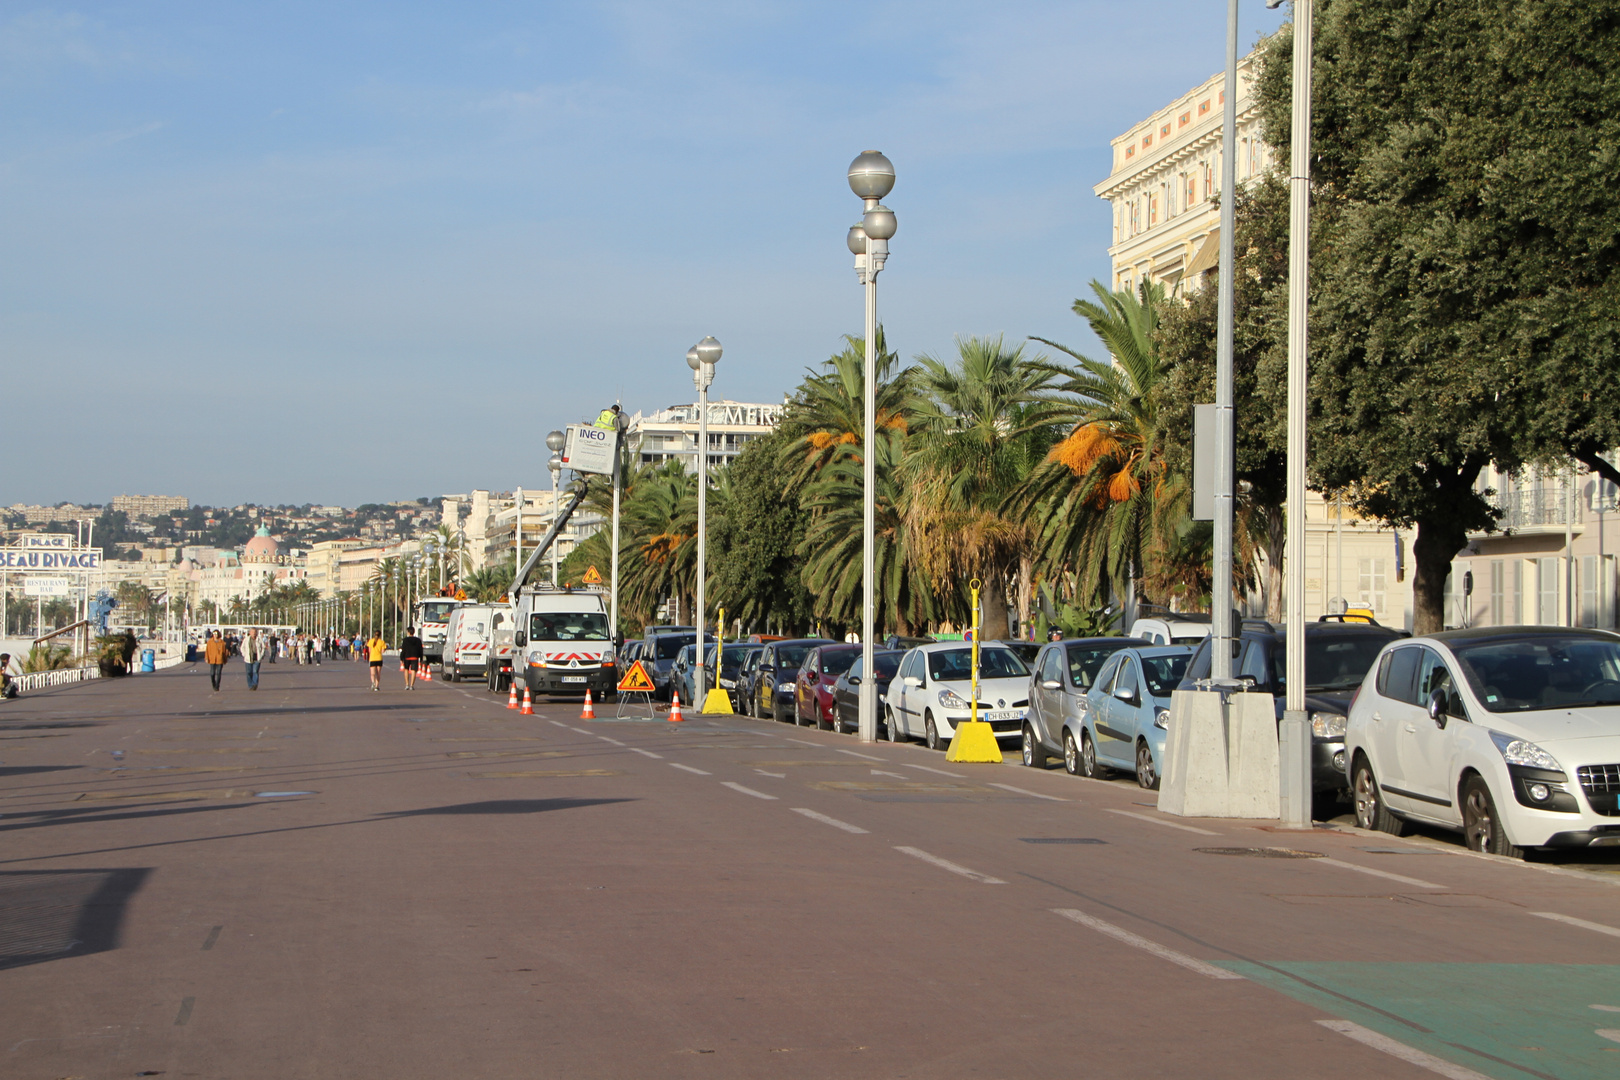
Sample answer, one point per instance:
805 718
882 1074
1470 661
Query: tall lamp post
1294 751
701 358
555 442
871 176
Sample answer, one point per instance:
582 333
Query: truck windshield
568 626
437 610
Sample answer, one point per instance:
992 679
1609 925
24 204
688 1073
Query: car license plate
573 678
1005 714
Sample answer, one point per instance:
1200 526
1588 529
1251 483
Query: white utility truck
431 617
468 639
563 642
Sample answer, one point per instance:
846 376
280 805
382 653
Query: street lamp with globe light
701 358
554 443
871 176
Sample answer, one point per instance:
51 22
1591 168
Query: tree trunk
1436 545
1276 544
993 599
1026 570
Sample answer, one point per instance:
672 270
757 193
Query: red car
813 695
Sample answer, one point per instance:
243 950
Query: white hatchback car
1510 734
931 692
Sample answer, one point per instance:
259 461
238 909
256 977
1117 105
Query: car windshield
437 611
836 663
1194 640
956 665
731 657
1086 660
790 656
568 626
1163 673
1541 672
1333 662
671 644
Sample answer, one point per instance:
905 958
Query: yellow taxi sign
591 576
636 680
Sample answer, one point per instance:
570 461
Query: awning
1209 254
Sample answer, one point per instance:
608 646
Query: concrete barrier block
1195 766
1252 776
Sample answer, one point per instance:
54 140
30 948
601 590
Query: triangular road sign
636 680
591 576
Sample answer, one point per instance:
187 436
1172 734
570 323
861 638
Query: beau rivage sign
48 552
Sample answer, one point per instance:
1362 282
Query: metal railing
1526 508
39 680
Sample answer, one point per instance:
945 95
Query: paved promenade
318 881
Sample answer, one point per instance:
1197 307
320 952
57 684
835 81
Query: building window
1203 107
1547 608
1589 590
1153 210
1164 131
1147 140
1371 585
1130 151
1186 118
1192 190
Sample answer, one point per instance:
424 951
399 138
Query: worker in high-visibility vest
608 419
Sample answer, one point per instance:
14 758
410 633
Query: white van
563 641
1174 628
467 640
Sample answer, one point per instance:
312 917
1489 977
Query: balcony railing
1528 508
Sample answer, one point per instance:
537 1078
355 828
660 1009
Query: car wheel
1146 775
892 727
1071 754
1371 813
1088 757
931 733
1034 753
776 713
1482 827
450 672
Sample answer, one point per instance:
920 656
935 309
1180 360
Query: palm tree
832 545
489 583
985 422
658 556
829 410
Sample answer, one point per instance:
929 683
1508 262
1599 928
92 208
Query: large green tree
1465 237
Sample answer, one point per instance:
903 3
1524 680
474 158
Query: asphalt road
318 881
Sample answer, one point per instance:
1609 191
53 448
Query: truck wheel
451 672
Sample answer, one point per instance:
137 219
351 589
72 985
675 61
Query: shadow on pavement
48 726
97 815
273 710
52 914
30 770
504 806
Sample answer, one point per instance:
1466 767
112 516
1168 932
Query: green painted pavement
1504 1020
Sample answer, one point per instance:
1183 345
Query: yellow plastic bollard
974 740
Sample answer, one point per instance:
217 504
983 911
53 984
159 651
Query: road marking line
1166 824
1031 794
1119 933
852 753
1409 1054
734 786
582 731
929 768
688 768
646 753
777 775
801 742
559 723
825 820
1573 921
1612 1034
615 742
1403 879
946 864
896 775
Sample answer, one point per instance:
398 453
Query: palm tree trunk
993 598
1026 570
1276 542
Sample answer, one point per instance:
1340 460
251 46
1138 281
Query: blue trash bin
148 660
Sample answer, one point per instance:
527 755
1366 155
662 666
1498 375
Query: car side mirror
1051 684
854 680
913 682
520 639
1249 681
1125 693
1438 700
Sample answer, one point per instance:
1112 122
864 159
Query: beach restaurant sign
30 559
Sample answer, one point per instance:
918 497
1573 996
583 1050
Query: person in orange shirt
215 654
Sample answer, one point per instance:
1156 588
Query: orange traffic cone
511 699
589 713
427 670
675 716
528 705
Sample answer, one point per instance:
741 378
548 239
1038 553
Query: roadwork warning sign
592 576
636 680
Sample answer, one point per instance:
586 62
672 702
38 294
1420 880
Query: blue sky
356 252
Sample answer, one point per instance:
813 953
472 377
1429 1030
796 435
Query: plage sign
589 449
26 560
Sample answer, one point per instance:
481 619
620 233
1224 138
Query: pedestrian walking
253 648
374 652
214 654
411 654
8 687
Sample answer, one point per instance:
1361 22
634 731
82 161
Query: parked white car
931 693
1171 629
1509 734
